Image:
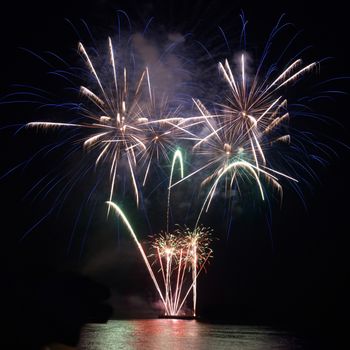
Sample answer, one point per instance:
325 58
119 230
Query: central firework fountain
177 258
181 256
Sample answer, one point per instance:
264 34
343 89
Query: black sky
294 274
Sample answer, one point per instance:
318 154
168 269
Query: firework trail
177 156
139 246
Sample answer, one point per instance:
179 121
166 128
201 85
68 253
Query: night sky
292 273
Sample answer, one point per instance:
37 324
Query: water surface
162 334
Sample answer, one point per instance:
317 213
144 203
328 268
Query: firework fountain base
178 317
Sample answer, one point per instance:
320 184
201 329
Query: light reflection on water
182 334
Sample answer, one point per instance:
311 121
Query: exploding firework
237 137
126 122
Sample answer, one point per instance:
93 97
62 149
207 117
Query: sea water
165 334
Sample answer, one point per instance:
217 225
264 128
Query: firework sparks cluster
180 253
179 257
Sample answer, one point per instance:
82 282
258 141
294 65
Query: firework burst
126 123
237 136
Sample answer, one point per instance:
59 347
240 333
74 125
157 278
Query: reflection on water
182 334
